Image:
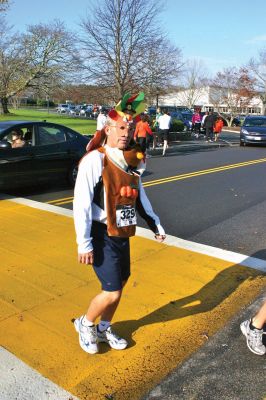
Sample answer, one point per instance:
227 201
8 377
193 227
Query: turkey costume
108 188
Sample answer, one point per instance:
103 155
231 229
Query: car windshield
255 122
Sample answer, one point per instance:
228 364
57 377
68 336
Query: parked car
86 111
82 111
50 152
238 120
62 108
152 111
253 130
71 110
185 117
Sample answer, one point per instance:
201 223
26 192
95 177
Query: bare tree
193 81
82 93
258 73
234 89
123 47
4 4
40 58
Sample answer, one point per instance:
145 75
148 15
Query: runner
253 330
107 194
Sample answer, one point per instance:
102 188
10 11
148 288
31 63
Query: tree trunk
3 108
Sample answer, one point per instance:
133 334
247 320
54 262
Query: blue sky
220 33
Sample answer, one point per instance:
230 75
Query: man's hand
86 258
160 238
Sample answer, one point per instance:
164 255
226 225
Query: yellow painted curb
174 301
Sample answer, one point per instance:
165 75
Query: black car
45 152
253 130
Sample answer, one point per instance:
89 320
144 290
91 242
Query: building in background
210 98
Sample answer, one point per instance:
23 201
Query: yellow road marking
202 172
174 178
65 202
57 200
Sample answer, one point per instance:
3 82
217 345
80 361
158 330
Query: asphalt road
222 208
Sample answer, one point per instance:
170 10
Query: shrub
176 126
31 102
43 103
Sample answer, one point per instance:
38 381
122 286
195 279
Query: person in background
101 121
164 122
156 136
202 121
196 122
253 330
208 125
142 130
218 126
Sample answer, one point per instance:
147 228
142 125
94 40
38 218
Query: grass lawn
80 125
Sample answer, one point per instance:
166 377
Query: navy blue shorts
111 258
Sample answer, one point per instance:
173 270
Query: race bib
125 216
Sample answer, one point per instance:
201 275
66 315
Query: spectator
95 111
218 126
17 140
253 330
156 136
164 122
141 131
202 121
196 122
101 121
208 125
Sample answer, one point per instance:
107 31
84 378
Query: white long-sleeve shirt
164 121
101 122
85 210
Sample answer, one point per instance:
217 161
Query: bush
43 103
31 102
177 126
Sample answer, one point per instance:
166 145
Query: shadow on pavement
209 297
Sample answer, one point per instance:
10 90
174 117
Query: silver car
253 130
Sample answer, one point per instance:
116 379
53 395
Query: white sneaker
87 336
254 338
114 341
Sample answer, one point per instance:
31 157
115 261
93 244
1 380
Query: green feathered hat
131 105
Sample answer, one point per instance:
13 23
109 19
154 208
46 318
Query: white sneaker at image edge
254 338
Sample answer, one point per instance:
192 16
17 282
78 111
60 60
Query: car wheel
72 174
242 143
